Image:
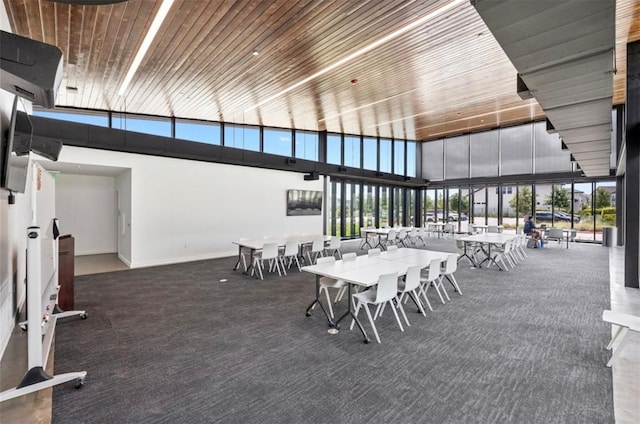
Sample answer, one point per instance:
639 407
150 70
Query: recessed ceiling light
354 81
72 89
255 53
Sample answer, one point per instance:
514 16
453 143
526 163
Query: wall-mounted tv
304 202
14 157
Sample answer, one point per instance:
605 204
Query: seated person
530 228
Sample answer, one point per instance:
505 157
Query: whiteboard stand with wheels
41 322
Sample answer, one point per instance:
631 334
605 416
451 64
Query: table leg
317 301
353 316
465 254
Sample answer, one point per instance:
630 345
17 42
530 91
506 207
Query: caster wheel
83 316
79 383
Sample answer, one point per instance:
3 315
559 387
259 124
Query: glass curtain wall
428 206
369 206
583 210
604 201
509 192
384 206
335 213
398 207
465 213
411 194
352 210
543 205
452 206
479 196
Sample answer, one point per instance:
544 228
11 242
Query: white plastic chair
333 247
409 287
392 248
316 251
492 229
289 255
450 266
373 252
431 279
449 229
386 291
401 238
270 252
389 240
346 257
327 283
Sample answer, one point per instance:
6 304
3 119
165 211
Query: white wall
86 208
187 210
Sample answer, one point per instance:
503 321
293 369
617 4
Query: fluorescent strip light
153 30
362 51
386 99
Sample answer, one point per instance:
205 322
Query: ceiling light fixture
362 51
386 99
255 53
146 43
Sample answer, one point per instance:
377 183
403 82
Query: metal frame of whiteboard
36 344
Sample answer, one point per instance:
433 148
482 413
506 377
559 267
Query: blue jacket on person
528 226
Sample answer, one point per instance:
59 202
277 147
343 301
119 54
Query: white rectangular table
365 271
256 244
484 239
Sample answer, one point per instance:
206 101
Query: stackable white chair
431 279
316 251
333 247
415 236
386 291
409 287
373 252
270 253
447 270
391 239
243 255
368 240
492 229
392 248
401 238
449 229
503 255
346 257
472 229
555 234
327 283
289 255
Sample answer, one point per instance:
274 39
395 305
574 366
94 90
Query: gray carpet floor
174 344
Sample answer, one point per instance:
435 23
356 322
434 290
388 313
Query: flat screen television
304 202
14 159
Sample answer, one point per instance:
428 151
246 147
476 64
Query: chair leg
439 283
434 284
355 313
397 317
326 292
454 283
618 348
399 306
416 300
373 326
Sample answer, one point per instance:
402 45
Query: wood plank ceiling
445 76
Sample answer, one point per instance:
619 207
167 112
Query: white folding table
365 271
485 239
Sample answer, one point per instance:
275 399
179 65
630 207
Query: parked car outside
453 216
545 216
